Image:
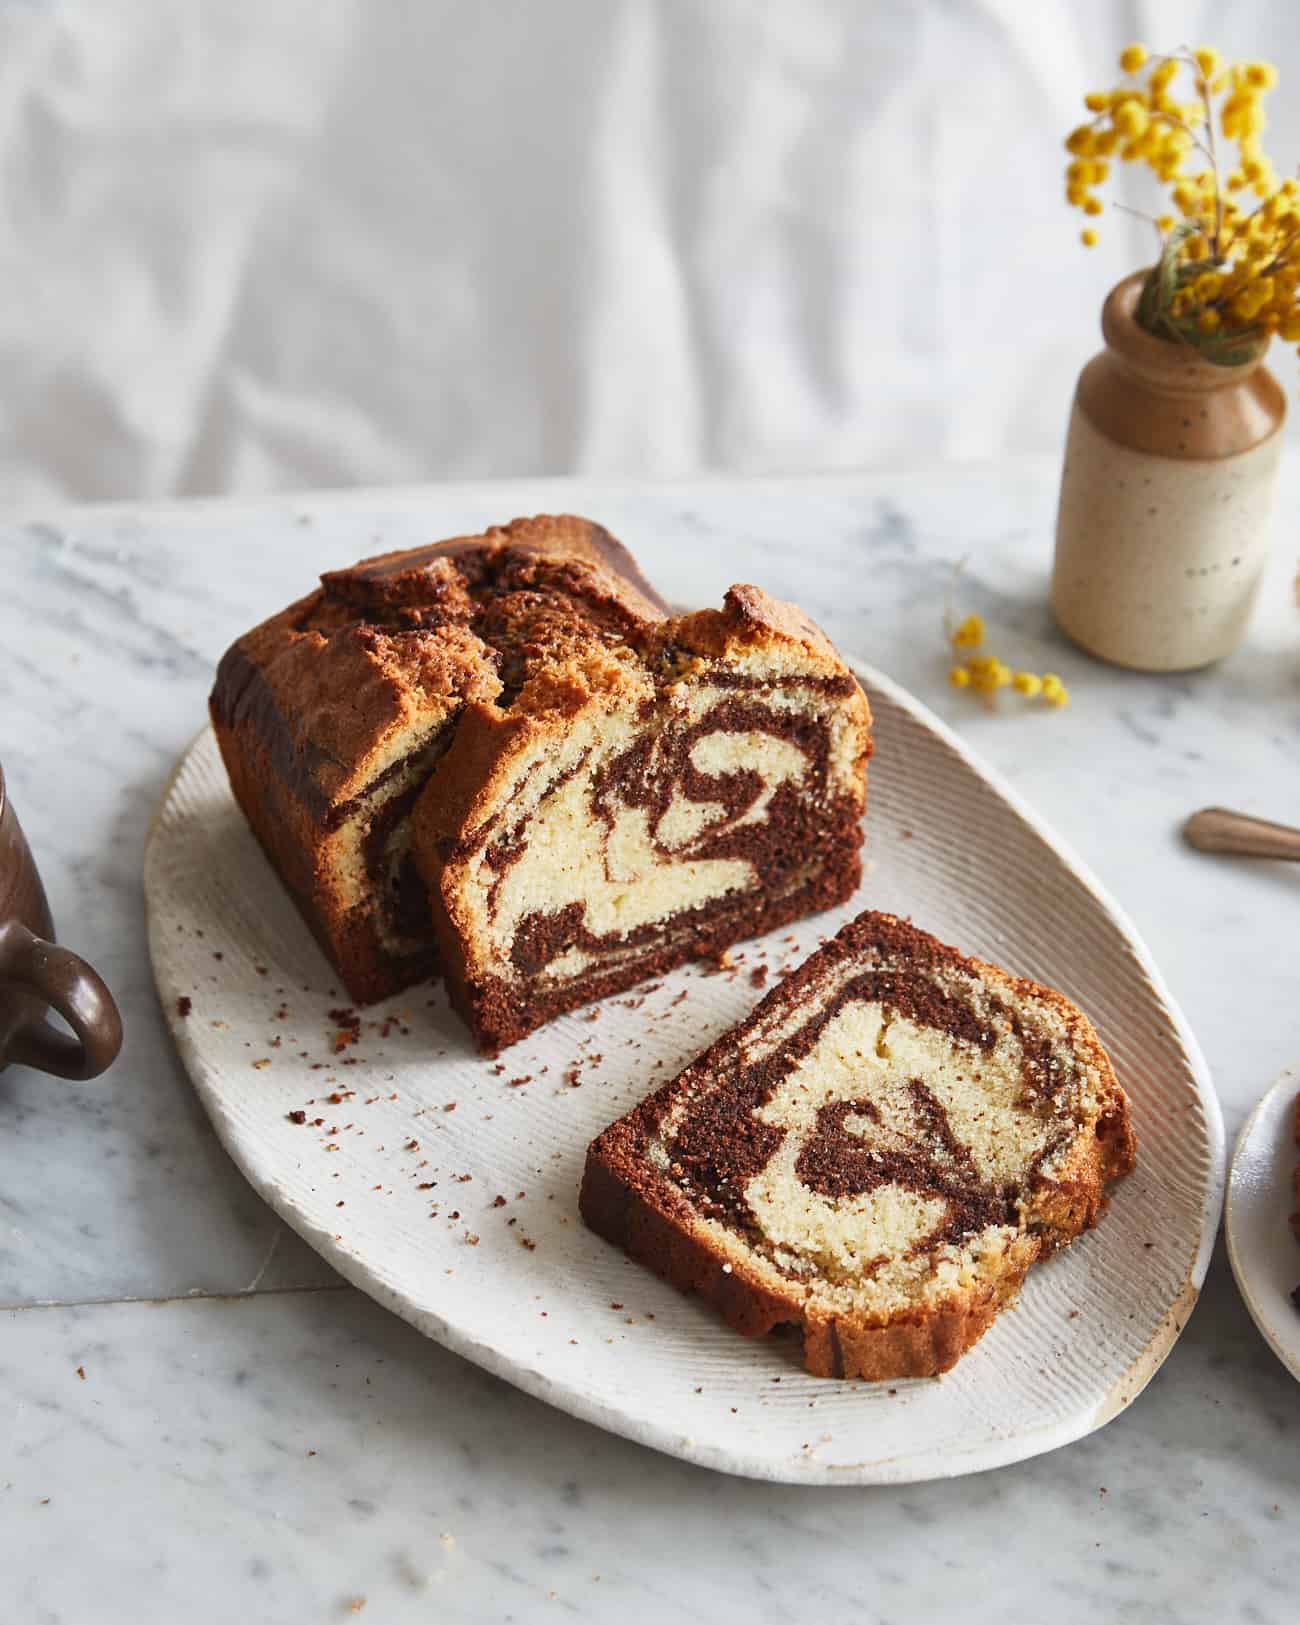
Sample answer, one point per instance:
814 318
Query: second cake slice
876 1155
640 802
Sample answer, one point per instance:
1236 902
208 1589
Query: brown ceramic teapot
36 974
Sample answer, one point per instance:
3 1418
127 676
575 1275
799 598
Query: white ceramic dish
543 1303
1261 1248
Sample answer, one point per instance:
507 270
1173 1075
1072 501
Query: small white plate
1262 1250
522 1288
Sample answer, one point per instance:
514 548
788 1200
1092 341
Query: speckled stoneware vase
1165 498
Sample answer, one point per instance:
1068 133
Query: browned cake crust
668 1217
355 689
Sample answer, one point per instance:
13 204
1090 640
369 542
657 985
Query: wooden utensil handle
1218 829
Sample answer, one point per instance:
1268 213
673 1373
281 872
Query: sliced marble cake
876 1155
604 789
643 799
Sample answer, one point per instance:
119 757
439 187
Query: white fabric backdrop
261 244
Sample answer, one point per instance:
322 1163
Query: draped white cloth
262 244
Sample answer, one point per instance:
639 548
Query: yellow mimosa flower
970 634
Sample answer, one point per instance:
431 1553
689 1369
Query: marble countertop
252 1439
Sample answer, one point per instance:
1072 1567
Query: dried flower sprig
985 674
1227 275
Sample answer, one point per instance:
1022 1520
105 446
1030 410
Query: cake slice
875 1156
639 802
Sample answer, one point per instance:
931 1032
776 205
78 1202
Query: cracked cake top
532 617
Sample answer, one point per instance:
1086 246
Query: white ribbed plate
548 1306
1261 1248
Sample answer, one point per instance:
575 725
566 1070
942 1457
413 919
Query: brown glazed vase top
36 973
1170 466
1163 397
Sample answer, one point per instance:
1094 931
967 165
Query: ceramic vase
1166 493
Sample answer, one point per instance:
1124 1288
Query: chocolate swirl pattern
653 830
878 1154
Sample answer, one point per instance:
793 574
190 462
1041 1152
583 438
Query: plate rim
982 1456
1288 1082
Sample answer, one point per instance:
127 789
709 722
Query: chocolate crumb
758 976
297 1117
450 1106
81 1372
184 1005
498 1201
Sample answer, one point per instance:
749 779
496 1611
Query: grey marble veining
181 1484
182 1456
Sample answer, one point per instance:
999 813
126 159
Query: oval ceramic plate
446 1186
1261 1247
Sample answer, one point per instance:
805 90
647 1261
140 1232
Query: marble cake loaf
501 757
876 1155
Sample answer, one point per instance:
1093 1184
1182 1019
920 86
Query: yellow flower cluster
1229 272
985 674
